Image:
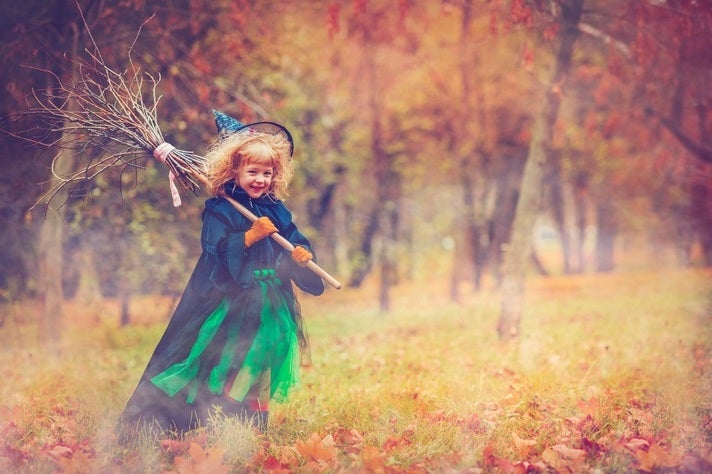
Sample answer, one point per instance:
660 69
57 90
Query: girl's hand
260 229
301 256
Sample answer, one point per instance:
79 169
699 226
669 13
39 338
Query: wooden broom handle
286 244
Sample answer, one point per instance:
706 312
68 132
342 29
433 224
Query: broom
104 111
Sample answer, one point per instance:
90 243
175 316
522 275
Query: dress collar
237 193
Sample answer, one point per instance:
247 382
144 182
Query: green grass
615 366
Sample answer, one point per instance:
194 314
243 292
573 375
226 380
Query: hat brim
272 128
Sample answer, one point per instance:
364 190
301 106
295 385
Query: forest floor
611 373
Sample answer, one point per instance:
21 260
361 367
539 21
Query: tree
383 40
50 240
647 81
528 205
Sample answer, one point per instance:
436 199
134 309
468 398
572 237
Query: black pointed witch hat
228 125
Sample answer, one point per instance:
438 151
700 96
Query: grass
611 374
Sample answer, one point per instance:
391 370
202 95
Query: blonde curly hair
239 149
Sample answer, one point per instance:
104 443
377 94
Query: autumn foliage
412 121
614 377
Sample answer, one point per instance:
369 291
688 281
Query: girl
233 342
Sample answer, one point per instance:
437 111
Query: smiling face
254 178
260 164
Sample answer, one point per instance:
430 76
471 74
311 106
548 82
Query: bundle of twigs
111 116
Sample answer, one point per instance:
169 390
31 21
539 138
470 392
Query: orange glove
260 229
301 256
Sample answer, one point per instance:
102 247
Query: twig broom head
115 116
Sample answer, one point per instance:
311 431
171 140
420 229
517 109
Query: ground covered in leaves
611 374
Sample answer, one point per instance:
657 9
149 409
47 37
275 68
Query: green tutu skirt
246 358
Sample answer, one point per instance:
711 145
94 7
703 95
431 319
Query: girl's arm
225 240
304 278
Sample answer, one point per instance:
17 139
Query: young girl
233 342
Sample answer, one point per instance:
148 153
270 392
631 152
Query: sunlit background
461 146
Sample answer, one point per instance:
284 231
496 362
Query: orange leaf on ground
656 457
522 446
591 406
60 451
562 458
273 458
317 449
286 456
373 460
174 447
15 414
350 440
569 453
200 460
635 444
78 463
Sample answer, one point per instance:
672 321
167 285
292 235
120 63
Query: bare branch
605 37
110 112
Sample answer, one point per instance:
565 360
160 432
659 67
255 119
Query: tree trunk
579 211
51 239
88 292
606 230
385 215
124 300
469 255
508 179
558 209
388 260
519 249
464 263
50 279
365 254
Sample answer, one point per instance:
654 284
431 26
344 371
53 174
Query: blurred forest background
467 140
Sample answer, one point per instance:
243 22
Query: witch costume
233 342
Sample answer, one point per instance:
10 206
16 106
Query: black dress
233 341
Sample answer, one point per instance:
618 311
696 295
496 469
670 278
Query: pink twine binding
161 153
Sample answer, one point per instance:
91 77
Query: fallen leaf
78 463
286 456
636 444
562 458
488 457
174 447
569 453
350 440
522 446
591 406
373 460
551 458
655 457
473 423
60 452
317 449
201 460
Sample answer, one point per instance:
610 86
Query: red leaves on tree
551 31
520 13
332 19
528 58
360 7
